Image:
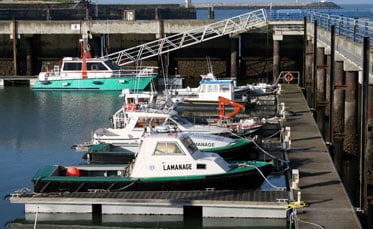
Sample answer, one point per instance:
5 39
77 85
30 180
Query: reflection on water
137 221
38 129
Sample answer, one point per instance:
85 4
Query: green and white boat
87 73
164 162
228 148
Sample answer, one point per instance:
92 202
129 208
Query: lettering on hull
178 167
205 144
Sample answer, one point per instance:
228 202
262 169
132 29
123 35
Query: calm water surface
38 129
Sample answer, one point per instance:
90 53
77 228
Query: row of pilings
342 102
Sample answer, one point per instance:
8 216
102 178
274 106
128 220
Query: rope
296 205
295 218
123 188
265 178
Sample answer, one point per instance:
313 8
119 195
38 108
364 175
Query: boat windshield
167 148
182 121
189 144
111 65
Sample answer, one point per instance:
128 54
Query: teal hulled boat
87 73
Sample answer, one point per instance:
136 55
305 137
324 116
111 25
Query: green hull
51 179
101 84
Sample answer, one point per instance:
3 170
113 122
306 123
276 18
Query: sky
217 1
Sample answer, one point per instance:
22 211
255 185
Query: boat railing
140 72
289 77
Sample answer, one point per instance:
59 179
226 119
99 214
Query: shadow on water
137 221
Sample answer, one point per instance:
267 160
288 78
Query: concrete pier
321 188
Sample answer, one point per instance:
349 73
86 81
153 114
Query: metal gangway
244 22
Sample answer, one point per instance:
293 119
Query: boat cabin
131 118
210 90
167 155
138 101
160 155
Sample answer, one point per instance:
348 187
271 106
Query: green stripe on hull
239 143
45 175
103 84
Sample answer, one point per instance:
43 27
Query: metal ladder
244 22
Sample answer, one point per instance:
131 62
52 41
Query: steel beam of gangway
240 23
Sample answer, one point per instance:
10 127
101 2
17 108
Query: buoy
288 77
132 107
72 172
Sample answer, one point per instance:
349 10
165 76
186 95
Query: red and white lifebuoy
288 77
132 107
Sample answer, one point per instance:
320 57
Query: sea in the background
38 128
363 11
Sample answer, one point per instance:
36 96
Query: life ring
289 77
132 107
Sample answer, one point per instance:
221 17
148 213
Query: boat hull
101 84
246 179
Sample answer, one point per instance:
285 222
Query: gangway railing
244 22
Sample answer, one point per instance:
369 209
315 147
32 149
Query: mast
85 53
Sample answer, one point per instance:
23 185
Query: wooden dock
326 202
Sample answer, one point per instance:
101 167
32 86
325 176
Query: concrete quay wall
48 41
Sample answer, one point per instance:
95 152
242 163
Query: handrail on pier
244 22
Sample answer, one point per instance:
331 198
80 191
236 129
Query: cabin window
170 122
224 88
72 66
168 148
189 144
111 65
201 166
96 67
157 121
213 88
180 120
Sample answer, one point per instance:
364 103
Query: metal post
320 90
364 125
350 142
315 65
332 83
15 70
302 81
338 116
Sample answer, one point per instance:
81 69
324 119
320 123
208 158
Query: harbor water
39 127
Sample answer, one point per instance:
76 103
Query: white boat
164 162
228 148
129 125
